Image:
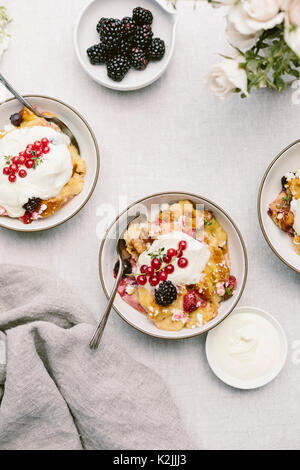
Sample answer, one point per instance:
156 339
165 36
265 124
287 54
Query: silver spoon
54 120
123 256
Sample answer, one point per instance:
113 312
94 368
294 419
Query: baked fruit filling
285 209
40 171
178 271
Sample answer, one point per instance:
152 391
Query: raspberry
192 301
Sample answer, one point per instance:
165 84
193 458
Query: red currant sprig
157 272
28 158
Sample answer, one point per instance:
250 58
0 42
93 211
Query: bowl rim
205 330
259 211
96 177
114 85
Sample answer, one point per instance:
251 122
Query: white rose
262 10
241 41
226 76
252 16
292 36
294 12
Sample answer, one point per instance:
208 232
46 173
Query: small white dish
255 383
164 26
108 257
287 160
88 148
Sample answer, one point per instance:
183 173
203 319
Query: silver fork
54 120
123 255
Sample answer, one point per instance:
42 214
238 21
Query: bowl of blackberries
125 52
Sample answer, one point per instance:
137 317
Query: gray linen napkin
57 394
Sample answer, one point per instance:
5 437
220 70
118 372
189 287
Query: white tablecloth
173 135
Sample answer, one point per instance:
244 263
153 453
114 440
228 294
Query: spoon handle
94 343
18 96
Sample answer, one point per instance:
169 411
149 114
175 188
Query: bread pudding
285 209
40 171
178 270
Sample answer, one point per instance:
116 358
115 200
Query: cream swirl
246 345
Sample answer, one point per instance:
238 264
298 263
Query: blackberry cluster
32 204
126 43
165 294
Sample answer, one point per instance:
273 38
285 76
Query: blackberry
143 37
127 268
16 119
165 294
142 16
138 57
129 27
99 24
32 205
157 49
111 32
97 54
125 46
117 67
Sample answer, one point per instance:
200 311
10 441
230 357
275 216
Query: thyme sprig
159 254
8 159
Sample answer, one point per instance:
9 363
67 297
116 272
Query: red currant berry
45 142
29 163
12 178
38 153
28 153
22 160
150 271
167 259
22 173
144 268
169 269
182 245
29 147
171 253
16 160
154 281
156 264
163 276
37 145
46 149
6 171
13 168
142 280
21 154
182 262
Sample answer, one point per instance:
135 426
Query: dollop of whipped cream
197 253
43 182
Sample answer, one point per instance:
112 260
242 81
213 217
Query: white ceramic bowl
107 259
164 26
88 148
287 160
249 384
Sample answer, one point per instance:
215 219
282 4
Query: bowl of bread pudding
44 179
186 267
